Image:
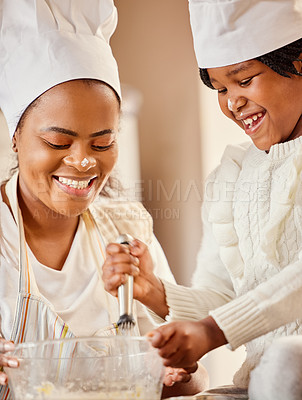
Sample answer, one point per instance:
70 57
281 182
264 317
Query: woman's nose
81 162
236 103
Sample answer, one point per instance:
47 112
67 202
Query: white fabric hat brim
227 32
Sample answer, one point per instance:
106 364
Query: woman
247 287
63 110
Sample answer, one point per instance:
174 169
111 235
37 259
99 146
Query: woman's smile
75 186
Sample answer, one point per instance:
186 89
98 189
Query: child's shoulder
231 161
236 152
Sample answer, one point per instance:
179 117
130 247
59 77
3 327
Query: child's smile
265 104
252 122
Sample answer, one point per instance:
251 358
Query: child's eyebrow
241 67
244 66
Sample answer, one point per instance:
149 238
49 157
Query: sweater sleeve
270 305
147 319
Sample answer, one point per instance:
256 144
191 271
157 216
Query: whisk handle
125 297
125 291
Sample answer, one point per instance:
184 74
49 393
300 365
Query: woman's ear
15 141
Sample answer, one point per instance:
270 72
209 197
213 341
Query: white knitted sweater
249 272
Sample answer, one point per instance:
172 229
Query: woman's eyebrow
103 132
69 132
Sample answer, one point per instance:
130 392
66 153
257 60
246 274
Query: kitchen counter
220 393
210 397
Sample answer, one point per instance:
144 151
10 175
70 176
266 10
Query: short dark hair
280 61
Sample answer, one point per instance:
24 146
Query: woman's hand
134 259
182 344
178 375
6 361
185 382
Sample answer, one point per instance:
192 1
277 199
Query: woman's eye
220 91
246 82
101 148
57 146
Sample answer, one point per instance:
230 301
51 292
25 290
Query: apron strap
26 282
93 229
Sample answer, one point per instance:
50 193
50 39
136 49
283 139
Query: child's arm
183 343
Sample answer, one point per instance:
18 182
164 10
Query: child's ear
298 64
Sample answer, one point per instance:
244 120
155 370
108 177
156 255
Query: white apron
35 318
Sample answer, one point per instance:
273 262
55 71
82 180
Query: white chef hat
47 42
227 32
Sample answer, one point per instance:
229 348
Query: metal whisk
125 296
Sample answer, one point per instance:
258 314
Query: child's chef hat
47 42
226 32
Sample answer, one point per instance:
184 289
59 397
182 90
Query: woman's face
265 104
67 147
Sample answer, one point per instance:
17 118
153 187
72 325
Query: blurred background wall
153 47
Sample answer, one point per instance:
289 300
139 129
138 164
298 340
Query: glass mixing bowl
117 367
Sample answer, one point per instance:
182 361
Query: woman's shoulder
117 217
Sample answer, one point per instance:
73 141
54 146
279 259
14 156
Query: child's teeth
250 120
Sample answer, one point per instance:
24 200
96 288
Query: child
247 288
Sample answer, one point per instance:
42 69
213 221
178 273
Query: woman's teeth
249 121
74 184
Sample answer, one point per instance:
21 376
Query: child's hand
179 343
182 344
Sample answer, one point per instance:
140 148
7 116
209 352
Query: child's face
265 104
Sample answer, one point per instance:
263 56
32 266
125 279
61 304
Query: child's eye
220 91
246 82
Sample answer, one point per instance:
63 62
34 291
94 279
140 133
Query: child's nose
236 103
